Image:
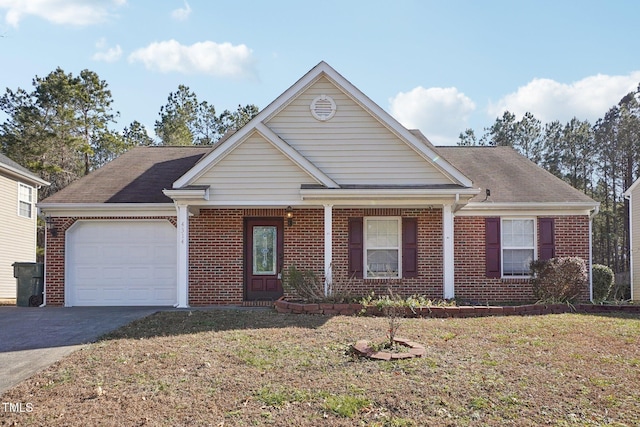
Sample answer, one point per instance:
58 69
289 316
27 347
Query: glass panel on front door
264 250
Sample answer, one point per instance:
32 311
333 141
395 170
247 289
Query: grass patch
246 368
346 405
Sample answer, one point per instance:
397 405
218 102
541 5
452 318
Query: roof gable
323 74
256 171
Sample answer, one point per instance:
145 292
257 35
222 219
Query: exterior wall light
289 212
51 226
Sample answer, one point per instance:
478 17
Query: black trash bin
29 283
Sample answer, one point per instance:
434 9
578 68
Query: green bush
603 282
559 280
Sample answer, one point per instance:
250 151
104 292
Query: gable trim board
323 69
265 167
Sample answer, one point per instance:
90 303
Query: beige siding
17 236
635 242
255 171
352 147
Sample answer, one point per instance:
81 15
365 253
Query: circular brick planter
363 349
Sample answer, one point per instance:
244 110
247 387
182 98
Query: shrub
558 280
310 288
603 282
303 283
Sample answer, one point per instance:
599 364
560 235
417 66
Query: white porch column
183 255
328 247
447 256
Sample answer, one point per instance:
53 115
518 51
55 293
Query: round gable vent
323 108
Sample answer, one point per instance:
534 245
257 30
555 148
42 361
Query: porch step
257 303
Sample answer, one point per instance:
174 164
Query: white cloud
105 53
72 12
182 14
440 113
548 100
221 60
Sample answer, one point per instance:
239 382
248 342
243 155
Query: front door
263 258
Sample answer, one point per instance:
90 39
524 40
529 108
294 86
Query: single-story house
323 179
633 195
18 220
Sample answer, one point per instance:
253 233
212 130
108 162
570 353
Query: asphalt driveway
33 338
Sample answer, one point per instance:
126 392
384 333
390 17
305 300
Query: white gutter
384 193
188 193
111 209
487 206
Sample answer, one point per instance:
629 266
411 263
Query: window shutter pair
547 248
409 247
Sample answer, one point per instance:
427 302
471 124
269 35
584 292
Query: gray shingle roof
511 177
137 176
140 175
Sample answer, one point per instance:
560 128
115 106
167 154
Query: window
25 200
518 246
382 241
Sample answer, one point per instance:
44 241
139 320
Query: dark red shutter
356 235
492 242
547 239
409 247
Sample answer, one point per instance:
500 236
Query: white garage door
113 263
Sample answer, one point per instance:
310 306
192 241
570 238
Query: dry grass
245 368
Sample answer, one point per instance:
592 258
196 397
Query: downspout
44 277
591 215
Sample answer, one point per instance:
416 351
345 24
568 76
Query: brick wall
430 270
571 239
216 254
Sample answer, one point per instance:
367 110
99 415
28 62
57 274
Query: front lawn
237 368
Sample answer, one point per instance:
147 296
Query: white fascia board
523 208
107 209
29 178
297 158
188 194
386 193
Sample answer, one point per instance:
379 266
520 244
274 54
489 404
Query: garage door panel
121 263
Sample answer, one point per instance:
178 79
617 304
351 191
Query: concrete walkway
33 338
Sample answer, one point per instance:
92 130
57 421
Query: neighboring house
18 220
324 179
633 195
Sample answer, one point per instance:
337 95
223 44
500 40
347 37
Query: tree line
64 127
601 159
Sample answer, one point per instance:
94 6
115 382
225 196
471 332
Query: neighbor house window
382 243
25 200
518 246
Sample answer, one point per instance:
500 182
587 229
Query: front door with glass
263 258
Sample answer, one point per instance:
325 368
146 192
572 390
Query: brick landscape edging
283 306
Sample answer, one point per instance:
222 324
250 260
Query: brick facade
430 247
471 283
216 254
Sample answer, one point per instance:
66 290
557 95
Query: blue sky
440 66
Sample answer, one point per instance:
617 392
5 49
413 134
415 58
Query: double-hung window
382 243
518 246
25 200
